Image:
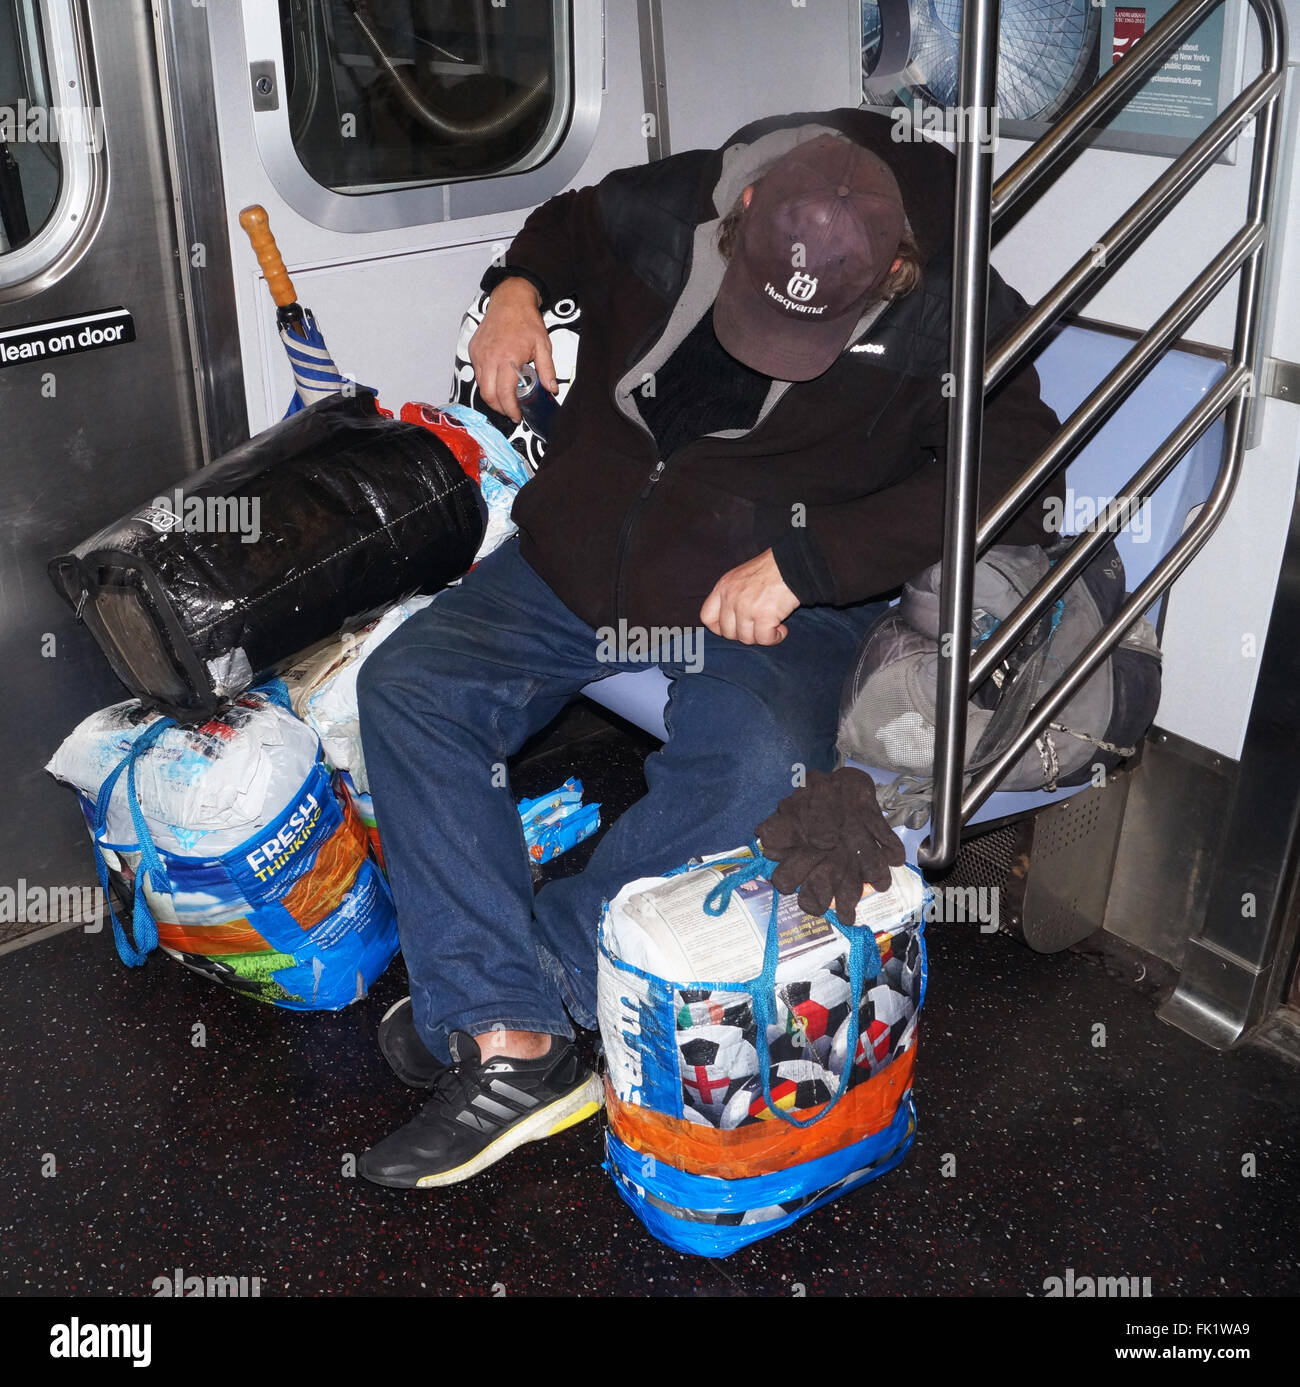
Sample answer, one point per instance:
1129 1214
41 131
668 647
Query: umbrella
314 373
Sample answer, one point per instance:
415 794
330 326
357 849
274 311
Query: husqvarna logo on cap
790 317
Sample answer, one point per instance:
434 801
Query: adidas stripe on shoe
480 1111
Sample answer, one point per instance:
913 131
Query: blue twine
864 962
144 928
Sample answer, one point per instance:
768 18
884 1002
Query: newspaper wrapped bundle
321 687
733 1105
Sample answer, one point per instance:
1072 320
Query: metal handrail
1124 378
975 369
1116 244
1227 394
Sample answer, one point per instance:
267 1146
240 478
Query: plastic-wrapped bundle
239 858
557 821
733 1106
313 527
322 688
486 455
552 823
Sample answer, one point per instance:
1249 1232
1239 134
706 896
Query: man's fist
511 334
750 603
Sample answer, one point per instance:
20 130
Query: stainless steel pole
977 94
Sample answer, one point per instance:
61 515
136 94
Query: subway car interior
263 238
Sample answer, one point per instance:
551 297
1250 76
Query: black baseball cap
813 248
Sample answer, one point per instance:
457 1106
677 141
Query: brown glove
828 838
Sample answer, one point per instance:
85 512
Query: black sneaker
407 1055
480 1111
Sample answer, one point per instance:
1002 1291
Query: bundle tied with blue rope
746 1090
864 963
280 899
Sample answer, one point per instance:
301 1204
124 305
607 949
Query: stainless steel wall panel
121 426
1172 829
1237 961
194 158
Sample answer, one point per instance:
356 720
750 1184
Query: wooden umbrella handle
254 221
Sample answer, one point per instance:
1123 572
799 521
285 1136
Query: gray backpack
887 711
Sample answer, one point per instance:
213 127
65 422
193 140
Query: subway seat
1073 364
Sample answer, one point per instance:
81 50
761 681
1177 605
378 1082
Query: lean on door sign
66 336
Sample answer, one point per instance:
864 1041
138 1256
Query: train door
96 385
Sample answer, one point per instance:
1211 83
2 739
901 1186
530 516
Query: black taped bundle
313 527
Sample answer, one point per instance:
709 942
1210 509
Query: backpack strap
907 798
1019 693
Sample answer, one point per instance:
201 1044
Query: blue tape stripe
308 356
718 1240
688 1191
309 369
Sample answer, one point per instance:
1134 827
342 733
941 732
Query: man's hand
750 603
511 334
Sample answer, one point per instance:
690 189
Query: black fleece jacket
843 478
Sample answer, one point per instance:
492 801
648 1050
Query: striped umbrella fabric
314 373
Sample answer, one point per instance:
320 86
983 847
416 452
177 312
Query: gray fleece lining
742 164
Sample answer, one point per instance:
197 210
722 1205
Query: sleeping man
752 451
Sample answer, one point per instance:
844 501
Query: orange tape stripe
320 890
764 1147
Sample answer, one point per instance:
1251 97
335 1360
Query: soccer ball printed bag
732 1107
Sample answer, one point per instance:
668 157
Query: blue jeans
463 684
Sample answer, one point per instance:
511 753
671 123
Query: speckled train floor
129 1152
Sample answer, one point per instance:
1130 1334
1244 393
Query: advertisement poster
1050 53
1182 96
